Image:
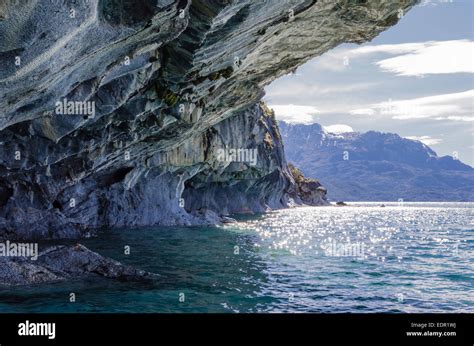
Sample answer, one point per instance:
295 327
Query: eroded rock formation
59 263
169 83
309 190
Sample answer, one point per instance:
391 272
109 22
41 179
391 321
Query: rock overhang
141 65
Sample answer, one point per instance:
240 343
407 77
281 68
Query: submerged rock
226 219
113 112
62 262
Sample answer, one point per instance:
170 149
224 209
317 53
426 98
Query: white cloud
427 140
338 128
434 2
295 114
455 118
362 111
309 89
330 61
417 59
448 57
454 107
399 48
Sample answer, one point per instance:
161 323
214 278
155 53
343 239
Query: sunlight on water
382 232
410 257
418 257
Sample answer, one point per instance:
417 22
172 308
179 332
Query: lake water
415 257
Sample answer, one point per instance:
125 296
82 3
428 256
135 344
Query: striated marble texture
172 82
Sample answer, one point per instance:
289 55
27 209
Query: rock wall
243 187
156 87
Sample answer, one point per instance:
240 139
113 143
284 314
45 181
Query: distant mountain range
374 166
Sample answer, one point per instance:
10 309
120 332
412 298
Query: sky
415 79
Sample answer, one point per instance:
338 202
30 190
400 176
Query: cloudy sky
415 79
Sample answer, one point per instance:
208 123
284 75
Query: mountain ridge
366 165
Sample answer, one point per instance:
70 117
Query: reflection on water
417 257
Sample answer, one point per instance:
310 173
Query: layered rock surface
172 83
59 263
309 190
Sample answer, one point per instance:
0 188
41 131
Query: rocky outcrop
59 263
310 191
112 112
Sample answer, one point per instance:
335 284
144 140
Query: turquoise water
416 257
